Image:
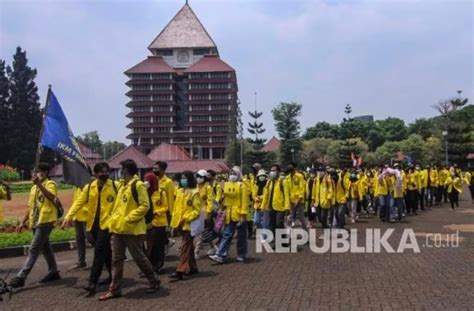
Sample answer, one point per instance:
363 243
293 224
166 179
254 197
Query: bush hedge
26 187
24 238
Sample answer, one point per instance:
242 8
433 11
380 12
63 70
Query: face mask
273 175
233 178
40 176
262 178
147 184
103 177
282 177
200 180
184 182
157 173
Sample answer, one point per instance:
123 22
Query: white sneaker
353 221
216 258
240 259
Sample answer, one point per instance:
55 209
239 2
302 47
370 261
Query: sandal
108 296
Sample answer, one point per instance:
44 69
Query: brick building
184 93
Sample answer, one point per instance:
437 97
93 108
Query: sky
384 58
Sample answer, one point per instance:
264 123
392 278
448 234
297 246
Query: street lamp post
445 134
293 154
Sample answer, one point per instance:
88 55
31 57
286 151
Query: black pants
444 191
454 198
102 254
421 199
311 215
324 217
411 200
80 228
156 239
277 220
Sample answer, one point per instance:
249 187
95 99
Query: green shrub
9 173
26 187
24 238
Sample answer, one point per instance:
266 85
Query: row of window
194 140
144 98
206 86
207 129
205 118
151 76
210 75
210 96
152 87
161 119
159 108
151 130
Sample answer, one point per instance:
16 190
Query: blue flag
57 135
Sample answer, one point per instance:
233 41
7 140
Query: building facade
184 93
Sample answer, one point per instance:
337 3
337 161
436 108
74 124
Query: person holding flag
41 217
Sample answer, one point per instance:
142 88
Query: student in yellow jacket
454 184
323 194
80 229
276 199
296 185
443 175
128 229
5 194
354 195
383 193
236 205
469 180
41 216
311 209
207 196
411 191
98 199
339 200
156 236
433 183
260 218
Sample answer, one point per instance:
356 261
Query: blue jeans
261 220
384 204
227 236
400 206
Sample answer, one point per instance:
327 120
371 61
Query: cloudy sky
385 58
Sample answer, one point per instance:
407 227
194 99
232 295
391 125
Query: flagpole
38 149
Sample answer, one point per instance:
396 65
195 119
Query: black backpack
149 213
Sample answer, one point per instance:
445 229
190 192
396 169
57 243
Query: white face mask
273 175
282 177
40 176
200 180
232 178
262 178
147 184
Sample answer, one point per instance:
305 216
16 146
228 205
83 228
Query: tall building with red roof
184 94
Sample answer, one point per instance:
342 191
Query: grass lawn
24 238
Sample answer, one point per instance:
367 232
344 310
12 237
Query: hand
66 223
20 228
243 218
181 224
35 180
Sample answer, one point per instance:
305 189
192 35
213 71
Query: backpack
149 213
59 207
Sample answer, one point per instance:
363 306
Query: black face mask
103 177
157 173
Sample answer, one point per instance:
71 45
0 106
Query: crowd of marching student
206 211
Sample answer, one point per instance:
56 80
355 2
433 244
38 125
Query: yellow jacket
455 183
323 192
434 178
160 207
467 178
81 215
168 186
443 177
363 187
89 199
296 184
235 201
217 191
3 196
281 196
383 186
411 181
257 199
423 178
341 194
187 207
128 216
207 196
38 204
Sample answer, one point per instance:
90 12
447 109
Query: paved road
435 279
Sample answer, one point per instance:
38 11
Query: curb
17 251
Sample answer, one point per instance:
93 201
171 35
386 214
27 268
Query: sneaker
17 282
51 277
153 288
353 221
216 258
240 259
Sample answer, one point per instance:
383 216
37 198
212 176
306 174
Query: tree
233 148
4 112
433 152
92 141
394 129
25 114
387 152
315 151
288 128
322 130
110 148
256 128
348 111
414 146
339 151
425 128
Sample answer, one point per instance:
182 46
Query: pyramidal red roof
210 63
272 145
131 152
167 152
150 65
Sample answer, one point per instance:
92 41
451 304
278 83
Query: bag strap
134 191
